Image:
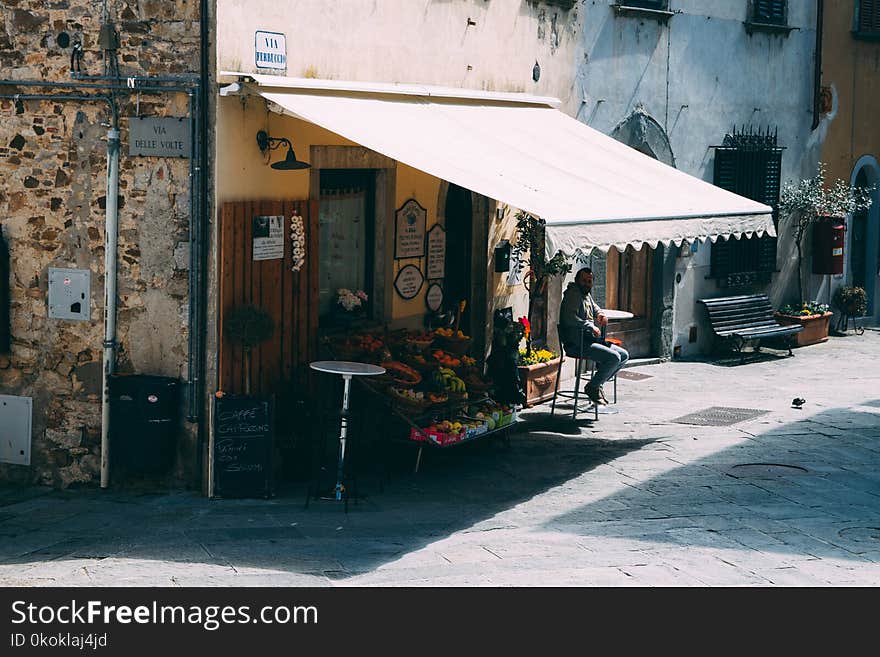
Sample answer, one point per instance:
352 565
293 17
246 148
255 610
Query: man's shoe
602 399
593 395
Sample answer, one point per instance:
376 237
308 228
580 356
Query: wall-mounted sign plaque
268 235
270 50
436 252
158 137
434 297
409 232
409 281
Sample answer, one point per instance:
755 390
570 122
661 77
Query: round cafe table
345 369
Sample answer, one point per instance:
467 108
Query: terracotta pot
815 327
539 380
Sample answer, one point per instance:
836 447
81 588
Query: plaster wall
243 172
851 72
698 76
459 43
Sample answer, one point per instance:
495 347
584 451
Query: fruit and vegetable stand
436 395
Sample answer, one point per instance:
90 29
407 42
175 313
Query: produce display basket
455 346
436 437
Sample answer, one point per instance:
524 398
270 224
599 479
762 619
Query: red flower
527 327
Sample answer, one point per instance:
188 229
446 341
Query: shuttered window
749 165
771 12
868 20
646 4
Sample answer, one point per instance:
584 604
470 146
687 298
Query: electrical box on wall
15 436
69 293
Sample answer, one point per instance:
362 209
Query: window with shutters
768 16
868 19
748 164
771 12
652 9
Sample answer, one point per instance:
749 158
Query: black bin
143 421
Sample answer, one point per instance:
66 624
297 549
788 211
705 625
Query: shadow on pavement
455 490
807 488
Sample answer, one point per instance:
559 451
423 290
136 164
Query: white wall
461 43
700 75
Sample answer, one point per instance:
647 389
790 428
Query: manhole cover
765 470
719 416
633 376
861 534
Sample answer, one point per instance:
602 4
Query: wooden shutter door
290 298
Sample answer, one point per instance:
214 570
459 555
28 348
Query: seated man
580 320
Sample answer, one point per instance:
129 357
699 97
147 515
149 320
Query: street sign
159 137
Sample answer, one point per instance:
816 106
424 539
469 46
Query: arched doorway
459 245
863 267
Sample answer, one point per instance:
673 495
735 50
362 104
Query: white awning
592 191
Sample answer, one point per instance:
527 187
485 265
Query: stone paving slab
631 500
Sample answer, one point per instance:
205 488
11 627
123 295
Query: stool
618 342
570 394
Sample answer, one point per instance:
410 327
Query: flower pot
815 327
539 380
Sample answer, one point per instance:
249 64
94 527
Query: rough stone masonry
53 169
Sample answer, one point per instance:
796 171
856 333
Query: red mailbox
828 241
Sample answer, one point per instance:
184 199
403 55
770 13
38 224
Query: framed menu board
409 281
436 252
409 230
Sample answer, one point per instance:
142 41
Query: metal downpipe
110 244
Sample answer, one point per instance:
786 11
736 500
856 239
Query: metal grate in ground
633 376
719 416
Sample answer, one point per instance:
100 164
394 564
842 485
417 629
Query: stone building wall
53 168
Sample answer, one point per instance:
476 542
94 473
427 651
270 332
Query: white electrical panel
15 429
70 293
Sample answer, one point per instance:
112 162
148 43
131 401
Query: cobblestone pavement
789 497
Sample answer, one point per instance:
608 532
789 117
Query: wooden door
290 298
628 287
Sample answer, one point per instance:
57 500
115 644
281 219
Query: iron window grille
868 19
748 164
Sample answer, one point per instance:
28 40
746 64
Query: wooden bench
747 318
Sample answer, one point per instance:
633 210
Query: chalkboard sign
243 439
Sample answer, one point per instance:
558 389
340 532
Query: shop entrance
628 286
459 237
346 237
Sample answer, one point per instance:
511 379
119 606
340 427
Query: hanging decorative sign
268 237
434 297
409 231
436 252
409 281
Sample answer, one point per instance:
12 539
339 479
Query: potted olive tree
810 204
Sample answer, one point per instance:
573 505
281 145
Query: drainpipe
817 63
110 241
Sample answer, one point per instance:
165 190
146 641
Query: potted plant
350 305
538 370
530 240
809 202
248 326
852 301
813 316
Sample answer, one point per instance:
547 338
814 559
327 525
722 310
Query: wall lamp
265 142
